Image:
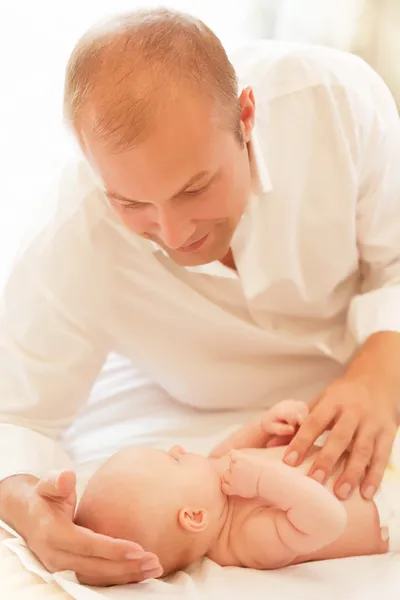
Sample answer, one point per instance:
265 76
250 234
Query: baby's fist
242 476
285 417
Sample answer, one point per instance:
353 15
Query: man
237 255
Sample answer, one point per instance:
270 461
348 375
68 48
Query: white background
37 36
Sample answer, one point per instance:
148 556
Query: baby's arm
274 428
309 516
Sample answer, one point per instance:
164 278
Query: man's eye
195 192
132 205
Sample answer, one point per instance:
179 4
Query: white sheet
347 579
126 409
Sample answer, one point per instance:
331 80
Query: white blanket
140 414
346 579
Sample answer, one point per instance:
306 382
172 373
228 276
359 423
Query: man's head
153 101
171 503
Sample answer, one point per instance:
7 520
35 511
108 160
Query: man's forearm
312 517
378 361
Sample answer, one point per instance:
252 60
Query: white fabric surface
103 427
363 578
326 196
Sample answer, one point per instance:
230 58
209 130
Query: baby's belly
362 535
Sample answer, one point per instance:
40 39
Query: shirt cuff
26 452
374 311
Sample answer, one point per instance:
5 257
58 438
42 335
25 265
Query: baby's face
181 477
186 470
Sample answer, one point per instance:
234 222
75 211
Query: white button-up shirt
317 254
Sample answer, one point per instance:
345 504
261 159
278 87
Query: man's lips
194 245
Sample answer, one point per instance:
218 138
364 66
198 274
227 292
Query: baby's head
171 503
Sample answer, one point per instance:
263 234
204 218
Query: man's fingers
380 460
357 462
335 446
314 425
85 542
124 579
97 569
56 484
66 483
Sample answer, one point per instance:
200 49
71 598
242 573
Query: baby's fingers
281 429
226 488
279 440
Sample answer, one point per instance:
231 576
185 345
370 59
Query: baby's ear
193 519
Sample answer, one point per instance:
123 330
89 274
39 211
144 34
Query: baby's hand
242 476
284 418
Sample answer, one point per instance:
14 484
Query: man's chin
215 249
193 259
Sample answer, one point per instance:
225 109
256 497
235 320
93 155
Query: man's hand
242 476
42 512
362 421
276 427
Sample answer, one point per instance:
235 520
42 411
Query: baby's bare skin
238 547
245 509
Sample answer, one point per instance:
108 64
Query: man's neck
229 261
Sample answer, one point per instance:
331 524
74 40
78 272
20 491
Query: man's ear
192 519
248 111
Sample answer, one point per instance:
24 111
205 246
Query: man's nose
175 228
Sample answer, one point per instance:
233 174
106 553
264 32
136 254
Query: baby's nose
178 450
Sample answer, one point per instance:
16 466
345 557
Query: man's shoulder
76 222
277 68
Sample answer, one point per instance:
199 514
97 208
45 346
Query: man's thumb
58 485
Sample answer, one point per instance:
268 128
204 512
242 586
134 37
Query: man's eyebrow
197 177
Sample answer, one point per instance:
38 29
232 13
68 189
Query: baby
245 509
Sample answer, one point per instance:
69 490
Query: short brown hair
118 68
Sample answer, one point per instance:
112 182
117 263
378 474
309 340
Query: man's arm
363 403
51 349
52 343
376 307
374 315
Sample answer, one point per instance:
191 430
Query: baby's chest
254 538
232 546
243 537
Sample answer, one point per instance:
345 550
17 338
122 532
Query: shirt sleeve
377 305
51 344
